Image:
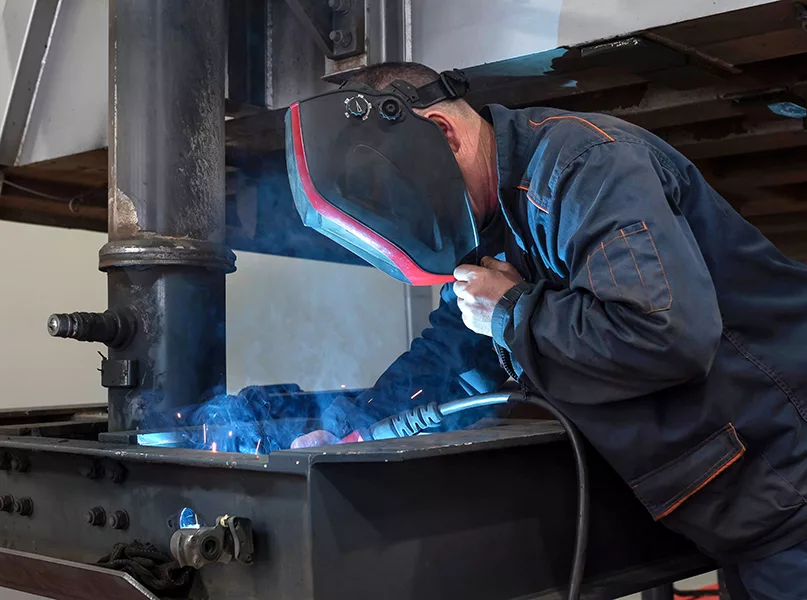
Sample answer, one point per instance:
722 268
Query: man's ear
448 125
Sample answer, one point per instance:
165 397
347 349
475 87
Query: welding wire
204 434
257 448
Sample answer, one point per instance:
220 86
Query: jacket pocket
662 491
627 267
720 495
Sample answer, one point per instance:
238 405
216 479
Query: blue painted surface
788 109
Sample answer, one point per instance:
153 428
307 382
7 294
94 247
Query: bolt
340 6
20 463
96 517
7 503
94 471
340 37
24 507
116 472
119 520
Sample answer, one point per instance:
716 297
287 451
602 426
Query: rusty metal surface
66 580
167 118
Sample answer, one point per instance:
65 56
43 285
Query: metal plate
65 580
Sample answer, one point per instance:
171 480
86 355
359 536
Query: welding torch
416 420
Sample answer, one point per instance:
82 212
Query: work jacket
669 329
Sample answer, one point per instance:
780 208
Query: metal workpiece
343 521
160 250
229 539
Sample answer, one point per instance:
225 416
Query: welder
591 262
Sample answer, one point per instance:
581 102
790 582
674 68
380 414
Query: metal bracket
230 538
337 27
118 373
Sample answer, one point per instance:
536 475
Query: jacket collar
511 163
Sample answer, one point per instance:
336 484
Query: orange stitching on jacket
662 270
616 285
733 460
622 231
533 200
590 280
589 123
619 237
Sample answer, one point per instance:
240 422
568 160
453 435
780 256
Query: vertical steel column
166 258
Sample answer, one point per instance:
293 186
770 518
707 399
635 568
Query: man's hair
381 75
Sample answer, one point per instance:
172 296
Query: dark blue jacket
670 330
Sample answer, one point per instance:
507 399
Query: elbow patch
627 268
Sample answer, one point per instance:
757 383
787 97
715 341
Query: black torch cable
581 537
413 421
578 447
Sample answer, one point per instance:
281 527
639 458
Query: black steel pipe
166 258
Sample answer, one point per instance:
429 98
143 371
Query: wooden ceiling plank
739 23
751 137
766 46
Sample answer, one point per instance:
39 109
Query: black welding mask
372 175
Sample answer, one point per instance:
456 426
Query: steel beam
492 517
38 19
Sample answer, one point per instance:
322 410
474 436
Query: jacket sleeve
640 312
448 361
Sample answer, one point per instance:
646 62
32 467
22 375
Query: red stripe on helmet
398 257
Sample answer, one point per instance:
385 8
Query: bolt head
24 507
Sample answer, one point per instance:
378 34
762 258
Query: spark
230 434
213 447
179 415
370 400
257 448
416 394
204 434
343 386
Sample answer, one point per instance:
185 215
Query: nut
119 520
96 517
24 507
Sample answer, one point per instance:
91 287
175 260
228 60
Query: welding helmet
382 181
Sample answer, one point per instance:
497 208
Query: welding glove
335 423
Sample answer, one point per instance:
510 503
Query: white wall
289 320
462 33
45 270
